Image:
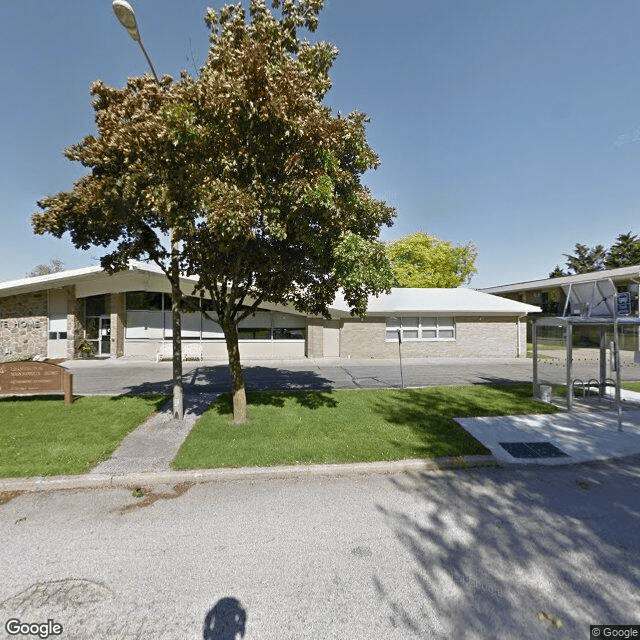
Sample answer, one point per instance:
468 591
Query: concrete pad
584 436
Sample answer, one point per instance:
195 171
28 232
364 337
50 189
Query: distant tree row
625 252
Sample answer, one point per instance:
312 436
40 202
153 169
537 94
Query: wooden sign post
35 378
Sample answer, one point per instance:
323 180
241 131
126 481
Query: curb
151 478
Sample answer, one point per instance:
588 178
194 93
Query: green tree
586 259
558 272
55 266
256 177
137 194
422 260
625 252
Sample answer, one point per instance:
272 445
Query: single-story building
552 294
129 314
581 295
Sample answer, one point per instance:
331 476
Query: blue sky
512 124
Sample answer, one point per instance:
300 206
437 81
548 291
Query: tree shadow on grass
429 414
306 399
203 385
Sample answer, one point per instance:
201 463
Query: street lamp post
127 18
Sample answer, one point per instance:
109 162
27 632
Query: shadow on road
225 621
216 379
504 554
203 384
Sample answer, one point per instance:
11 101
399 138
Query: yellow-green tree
422 260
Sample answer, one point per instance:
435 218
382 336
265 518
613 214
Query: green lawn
348 426
631 386
43 436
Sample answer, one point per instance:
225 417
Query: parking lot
114 377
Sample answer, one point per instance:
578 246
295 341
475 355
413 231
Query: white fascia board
49 281
556 283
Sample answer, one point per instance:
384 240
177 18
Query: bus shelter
609 363
603 315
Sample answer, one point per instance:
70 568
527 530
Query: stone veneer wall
475 337
71 321
24 324
79 324
118 317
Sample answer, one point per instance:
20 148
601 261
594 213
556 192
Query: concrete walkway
155 443
584 435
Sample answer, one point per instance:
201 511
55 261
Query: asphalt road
118 376
472 555
114 377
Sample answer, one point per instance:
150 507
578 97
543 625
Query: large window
149 317
414 328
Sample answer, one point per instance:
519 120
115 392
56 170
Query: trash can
545 393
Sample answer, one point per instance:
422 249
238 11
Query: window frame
424 323
264 325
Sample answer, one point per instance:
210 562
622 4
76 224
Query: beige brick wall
475 337
314 341
24 324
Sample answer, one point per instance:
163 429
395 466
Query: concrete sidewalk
584 435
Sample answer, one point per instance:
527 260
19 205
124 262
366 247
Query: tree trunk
235 369
178 390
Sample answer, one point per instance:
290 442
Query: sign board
623 304
35 378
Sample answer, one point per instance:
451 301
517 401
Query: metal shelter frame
603 323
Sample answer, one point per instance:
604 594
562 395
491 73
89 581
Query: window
145 301
413 328
253 334
95 305
58 326
149 315
438 328
288 334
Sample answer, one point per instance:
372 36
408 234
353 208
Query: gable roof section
450 301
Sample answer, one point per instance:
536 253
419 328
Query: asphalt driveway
116 376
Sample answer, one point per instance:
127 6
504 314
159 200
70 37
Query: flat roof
48 281
623 273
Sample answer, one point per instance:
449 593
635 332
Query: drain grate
533 450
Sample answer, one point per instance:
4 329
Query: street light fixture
127 18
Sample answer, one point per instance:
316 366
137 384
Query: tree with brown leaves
257 178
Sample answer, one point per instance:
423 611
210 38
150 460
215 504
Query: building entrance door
105 335
99 334
331 339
